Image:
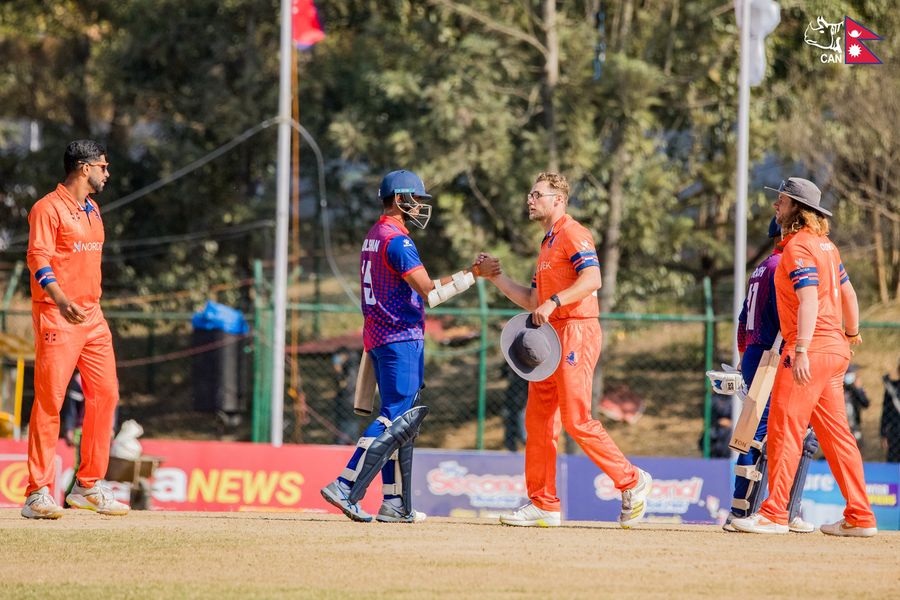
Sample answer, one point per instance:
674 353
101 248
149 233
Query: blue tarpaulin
218 317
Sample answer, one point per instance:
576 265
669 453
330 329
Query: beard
96 184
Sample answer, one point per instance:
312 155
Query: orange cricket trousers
59 347
564 399
821 404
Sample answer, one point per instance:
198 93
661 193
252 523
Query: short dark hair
81 151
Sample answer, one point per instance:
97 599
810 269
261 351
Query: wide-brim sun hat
803 191
531 351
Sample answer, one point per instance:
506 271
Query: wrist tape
441 293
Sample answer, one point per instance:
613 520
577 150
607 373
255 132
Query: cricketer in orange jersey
65 243
563 293
819 316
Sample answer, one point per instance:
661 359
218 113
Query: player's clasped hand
800 369
72 313
486 266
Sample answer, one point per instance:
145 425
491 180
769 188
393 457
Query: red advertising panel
210 476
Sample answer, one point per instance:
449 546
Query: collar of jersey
63 192
395 222
556 227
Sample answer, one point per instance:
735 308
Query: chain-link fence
649 392
650 379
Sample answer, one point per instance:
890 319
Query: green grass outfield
300 555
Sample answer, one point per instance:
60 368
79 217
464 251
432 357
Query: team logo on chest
571 359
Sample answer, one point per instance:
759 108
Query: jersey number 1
752 293
368 293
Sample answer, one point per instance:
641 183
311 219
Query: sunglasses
538 195
102 165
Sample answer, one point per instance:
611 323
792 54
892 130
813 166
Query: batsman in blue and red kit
393 284
758 328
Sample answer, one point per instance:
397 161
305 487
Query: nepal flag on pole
305 26
855 52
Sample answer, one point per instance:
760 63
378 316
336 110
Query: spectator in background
855 400
346 367
513 412
720 428
890 418
72 413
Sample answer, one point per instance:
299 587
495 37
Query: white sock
395 502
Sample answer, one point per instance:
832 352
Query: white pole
740 207
279 291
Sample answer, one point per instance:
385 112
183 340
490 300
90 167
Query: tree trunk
551 69
76 100
613 232
880 263
895 257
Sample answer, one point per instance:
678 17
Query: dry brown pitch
296 555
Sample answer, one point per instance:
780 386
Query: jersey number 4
368 293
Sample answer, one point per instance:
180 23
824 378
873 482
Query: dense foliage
477 96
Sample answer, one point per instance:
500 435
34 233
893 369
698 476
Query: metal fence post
482 364
710 324
261 366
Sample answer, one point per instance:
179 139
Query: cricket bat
757 397
364 396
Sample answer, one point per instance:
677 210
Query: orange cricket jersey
812 260
65 244
566 249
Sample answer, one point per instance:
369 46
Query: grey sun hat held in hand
532 352
803 191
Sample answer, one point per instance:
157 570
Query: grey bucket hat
803 191
532 352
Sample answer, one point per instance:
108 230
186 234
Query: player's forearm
587 283
449 278
807 313
518 293
850 306
56 294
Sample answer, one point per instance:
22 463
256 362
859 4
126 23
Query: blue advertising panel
823 502
485 484
684 491
468 484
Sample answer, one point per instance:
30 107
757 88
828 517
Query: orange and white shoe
634 500
41 505
756 523
98 498
845 529
532 516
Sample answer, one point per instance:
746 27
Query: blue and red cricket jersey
758 322
393 311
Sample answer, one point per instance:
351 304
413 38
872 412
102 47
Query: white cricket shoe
756 523
845 529
634 500
798 525
532 516
388 513
41 505
98 498
337 495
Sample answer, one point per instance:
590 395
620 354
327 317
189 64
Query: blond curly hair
557 181
808 219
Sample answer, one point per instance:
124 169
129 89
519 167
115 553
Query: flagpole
282 187
740 207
